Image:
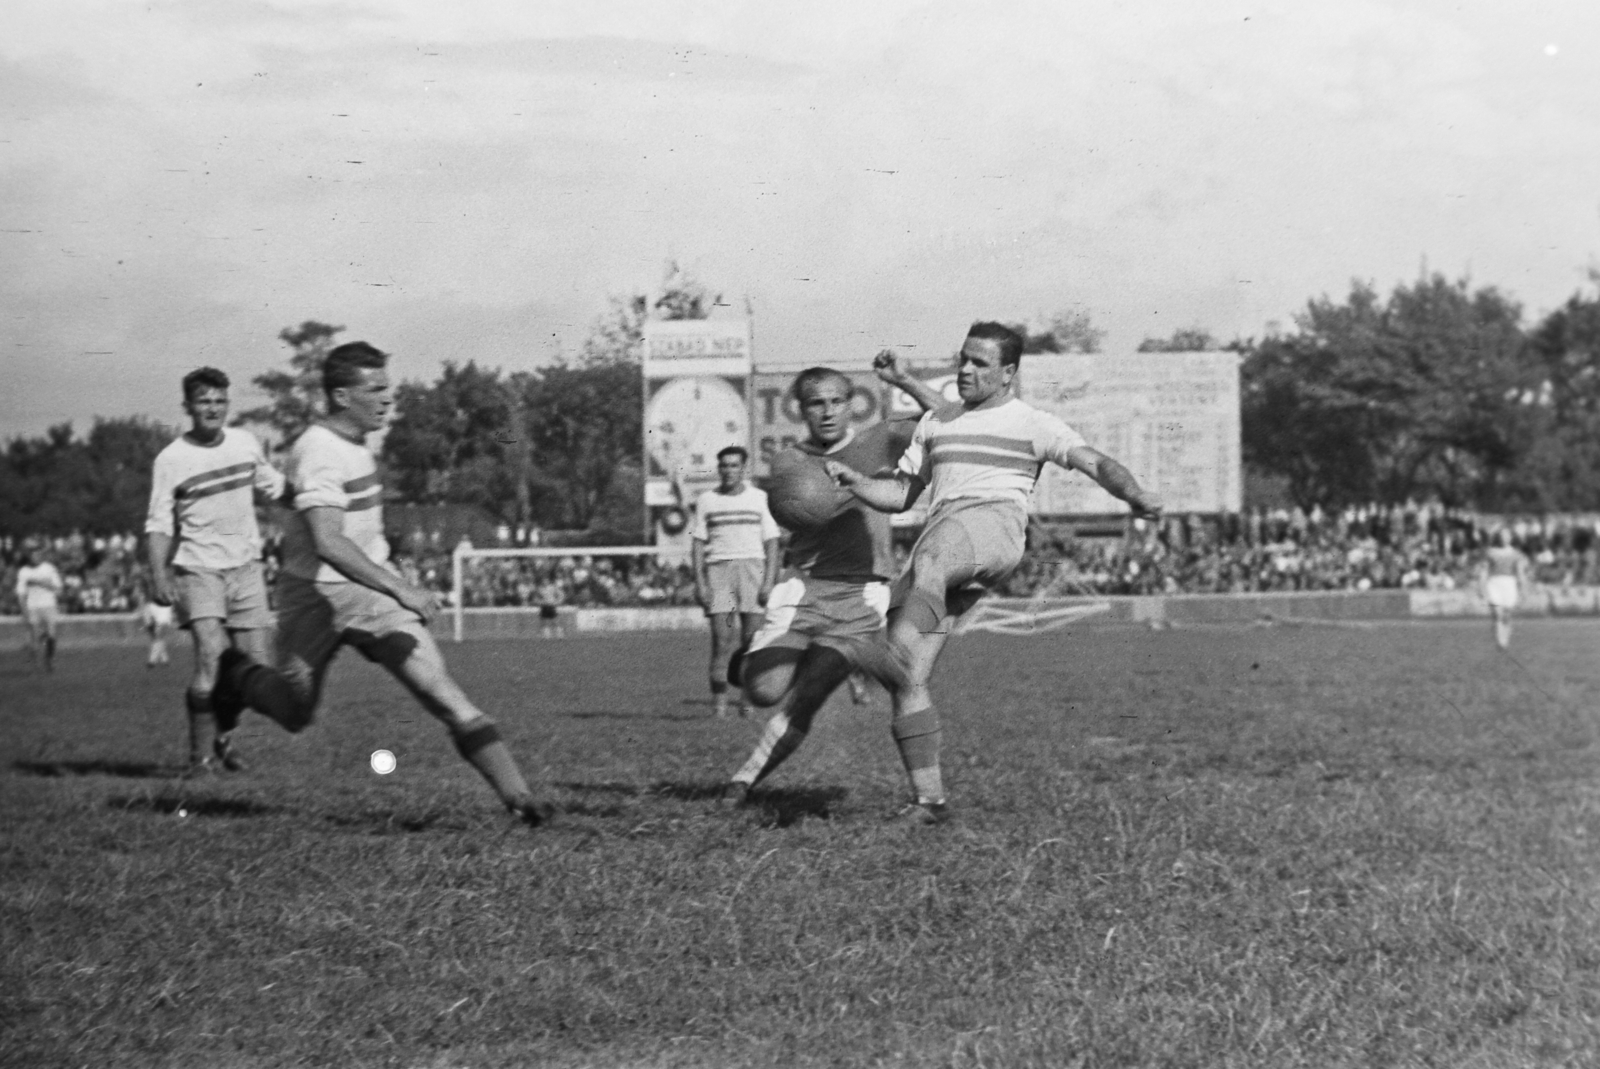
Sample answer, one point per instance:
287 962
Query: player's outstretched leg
287 696
415 660
772 675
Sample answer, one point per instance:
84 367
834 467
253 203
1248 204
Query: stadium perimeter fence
1002 615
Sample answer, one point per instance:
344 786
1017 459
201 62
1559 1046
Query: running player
38 586
1504 572
826 615
204 549
979 459
337 588
735 554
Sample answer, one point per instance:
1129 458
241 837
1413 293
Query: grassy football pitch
1233 846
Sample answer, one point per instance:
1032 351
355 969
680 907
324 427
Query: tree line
1437 390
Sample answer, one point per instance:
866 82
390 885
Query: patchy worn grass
1356 846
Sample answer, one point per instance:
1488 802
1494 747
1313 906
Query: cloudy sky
182 180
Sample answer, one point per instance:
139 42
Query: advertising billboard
1171 418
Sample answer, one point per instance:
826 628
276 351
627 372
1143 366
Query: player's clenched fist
843 474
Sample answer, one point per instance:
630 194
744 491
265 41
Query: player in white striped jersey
337 588
735 555
205 548
978 460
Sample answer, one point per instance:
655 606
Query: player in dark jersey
822 620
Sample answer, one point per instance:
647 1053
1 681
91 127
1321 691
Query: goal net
552 578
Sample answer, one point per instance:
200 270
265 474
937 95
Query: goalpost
466 552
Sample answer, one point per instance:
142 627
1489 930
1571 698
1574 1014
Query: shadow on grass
384 823
612 714
100 767
627 794
790 805
195 807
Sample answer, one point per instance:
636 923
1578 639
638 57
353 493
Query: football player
823 620
204 549
978 459
337 588
735 555
38 586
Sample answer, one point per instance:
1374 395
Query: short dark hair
813 375
734 450
346 363
203 378
1010 341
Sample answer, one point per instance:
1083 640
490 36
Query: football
800 494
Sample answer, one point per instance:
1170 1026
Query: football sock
780 739
49 652
269 693
202 726
917 736
479 742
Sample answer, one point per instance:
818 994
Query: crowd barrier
122 629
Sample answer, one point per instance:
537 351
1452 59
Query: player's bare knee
767 689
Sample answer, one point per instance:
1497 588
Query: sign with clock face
696 378
688 420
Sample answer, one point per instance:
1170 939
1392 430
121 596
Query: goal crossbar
464 552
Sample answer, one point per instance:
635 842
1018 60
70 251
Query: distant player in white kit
1504 572
38 586
204 549
978 459
337 588
735 554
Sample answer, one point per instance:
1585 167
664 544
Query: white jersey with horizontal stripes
38 585
203 497
986 454
328 470
734 526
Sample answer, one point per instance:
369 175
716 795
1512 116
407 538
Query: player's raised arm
1116 479
893 370
894 493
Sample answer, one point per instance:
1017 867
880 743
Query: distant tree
454 442
558 447
619 333
99 485
294 396
1372 399
683 296
1560 450
1064 332
1186 340
583 423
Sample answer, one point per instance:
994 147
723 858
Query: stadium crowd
98 574
1359 548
